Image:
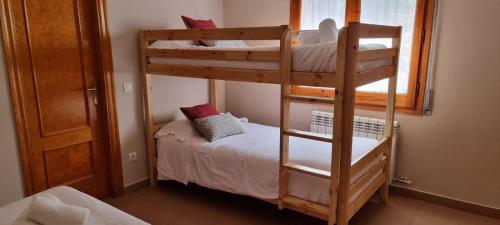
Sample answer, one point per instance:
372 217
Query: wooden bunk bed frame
347 196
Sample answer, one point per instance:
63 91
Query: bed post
214 93
148 109
337 132
347 118
285 72
389 117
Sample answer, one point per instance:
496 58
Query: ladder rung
306 205
310 100
308 170
309 135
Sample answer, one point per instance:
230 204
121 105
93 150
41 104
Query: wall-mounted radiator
322 122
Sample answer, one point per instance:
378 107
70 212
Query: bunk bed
351 182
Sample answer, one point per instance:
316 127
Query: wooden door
57 57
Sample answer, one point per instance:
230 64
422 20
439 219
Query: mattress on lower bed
248 163
100 212
317 58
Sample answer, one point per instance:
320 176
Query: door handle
94 90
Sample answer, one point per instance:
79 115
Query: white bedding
100 212
321 57
248 163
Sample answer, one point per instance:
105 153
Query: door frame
105 79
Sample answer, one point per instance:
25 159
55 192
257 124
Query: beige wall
126 17
10 170
456 151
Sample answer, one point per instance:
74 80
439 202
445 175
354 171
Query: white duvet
248 163
321 57
100 212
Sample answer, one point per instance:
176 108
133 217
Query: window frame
413 101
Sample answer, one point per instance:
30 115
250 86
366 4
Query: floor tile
176 204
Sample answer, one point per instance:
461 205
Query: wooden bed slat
307 207
313 79
215 54
378 31
308 135
368 192
310 100
370 76
370 156
308 170
368 55
258 76
240 33
357 184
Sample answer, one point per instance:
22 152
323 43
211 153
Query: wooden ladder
285 199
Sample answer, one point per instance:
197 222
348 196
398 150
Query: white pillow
219 126
171 44
308 37
230 44
328 31
180 130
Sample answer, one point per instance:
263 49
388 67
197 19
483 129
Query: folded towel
328 31
49 210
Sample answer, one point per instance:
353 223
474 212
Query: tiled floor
175 204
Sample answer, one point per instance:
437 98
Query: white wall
10 166
126 17
456 151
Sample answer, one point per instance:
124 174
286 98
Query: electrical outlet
128 87
132 156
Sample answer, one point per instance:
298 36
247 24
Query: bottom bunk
248 164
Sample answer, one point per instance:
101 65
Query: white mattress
100 212
321 58
248 163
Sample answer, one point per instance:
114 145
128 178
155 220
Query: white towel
328 31
49 210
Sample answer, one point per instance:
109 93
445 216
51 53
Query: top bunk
316 65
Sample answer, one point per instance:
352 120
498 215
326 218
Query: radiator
322 122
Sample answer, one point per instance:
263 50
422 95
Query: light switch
127 87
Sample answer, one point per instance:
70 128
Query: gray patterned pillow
217 127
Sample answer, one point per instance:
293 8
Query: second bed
248 163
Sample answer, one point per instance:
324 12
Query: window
416 18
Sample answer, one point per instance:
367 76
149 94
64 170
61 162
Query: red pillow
202 24
199 111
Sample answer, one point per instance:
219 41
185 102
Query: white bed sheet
318 58
100 212
248 163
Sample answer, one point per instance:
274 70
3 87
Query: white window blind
314 11
386 12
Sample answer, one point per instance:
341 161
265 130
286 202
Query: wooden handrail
378 31
240 33
215 54
374 54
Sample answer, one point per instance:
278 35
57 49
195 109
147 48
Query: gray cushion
219 126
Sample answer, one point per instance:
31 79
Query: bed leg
384 193
281 205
